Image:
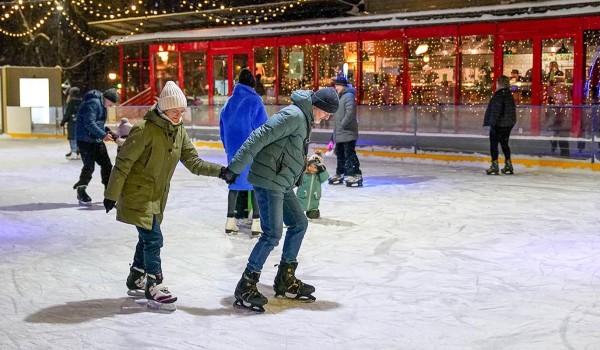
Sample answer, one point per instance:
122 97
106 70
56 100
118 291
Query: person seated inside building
515 76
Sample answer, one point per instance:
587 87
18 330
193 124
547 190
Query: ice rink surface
424 256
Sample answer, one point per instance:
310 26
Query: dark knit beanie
111 95
247 78
326 99
340 81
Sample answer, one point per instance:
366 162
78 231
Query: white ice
424 256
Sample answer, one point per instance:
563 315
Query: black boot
83 197
508 167
156 291
246 292
136 281
494 169
286 282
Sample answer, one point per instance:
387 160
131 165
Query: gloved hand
109 204
320 168
227 175
330 146
486 129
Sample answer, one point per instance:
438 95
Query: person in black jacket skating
500 117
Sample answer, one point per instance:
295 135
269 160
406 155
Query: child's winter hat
124 120
111 95
326 99
314 159
246 78
340 81
171 97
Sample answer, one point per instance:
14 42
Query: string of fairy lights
101 11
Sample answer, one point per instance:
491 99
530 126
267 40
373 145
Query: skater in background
243 113
309 192
70 118
277 151
91 134
345 134
124 129
140 182
500 117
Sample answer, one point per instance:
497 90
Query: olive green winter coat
276 149
140 180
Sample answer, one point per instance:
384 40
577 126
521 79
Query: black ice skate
508 168
158 294
136 282
336 179
493 170
354 181
246 292
287 283
83 197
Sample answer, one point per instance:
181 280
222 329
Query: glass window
336 60
167 68
382 71
239 61
221 84
194 77
432 63
591 87
557 71
517 58
264 70
295 69
476 69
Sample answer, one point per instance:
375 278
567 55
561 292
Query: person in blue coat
243 113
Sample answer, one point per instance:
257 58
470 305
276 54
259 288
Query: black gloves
109 204
227 175
320 168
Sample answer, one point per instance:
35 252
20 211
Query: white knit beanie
171 97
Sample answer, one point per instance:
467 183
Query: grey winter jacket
276 149
91 118
345 124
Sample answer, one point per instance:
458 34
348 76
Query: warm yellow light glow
112 76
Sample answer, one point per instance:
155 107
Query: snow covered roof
529 10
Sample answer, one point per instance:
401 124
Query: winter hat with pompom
171 97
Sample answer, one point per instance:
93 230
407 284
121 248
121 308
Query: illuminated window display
136 71
295 70
591 84
337 60
382 71
557 71
477 69
264 71
517 61
432 63
167 67
195 80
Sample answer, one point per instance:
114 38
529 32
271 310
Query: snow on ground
424 256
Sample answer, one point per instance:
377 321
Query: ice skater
309 192
140 181
277 151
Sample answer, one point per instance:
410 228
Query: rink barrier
452 158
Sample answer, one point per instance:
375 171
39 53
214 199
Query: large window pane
336 60
518 62
166 68
476 69
295 69
264 71
432 66
382 72
195 83
557 71
220 82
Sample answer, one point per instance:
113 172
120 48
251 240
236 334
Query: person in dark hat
277 151
91 134
70 119
345 134
243 113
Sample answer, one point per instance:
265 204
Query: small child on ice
309 193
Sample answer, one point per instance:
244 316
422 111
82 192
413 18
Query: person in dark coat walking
345 134
277 151
500 117
243 113
70 118
91 134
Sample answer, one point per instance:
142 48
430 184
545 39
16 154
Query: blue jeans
73 145
277 208
147 250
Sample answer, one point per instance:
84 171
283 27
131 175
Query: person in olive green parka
139 185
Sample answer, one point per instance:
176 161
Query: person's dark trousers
147 250
347 161
500 135
92 153
237 204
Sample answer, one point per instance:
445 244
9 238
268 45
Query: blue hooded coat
91 118
243 113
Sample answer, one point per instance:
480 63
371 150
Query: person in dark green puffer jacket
140 180
309 192
277 151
